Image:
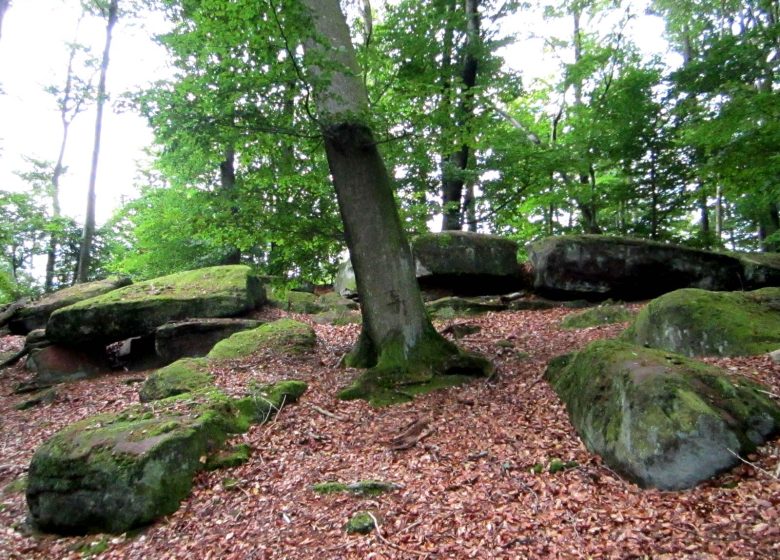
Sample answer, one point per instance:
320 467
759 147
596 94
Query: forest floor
467 490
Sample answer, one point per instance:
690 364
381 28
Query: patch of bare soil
469 486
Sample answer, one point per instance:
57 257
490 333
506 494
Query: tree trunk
227 179
397 340
455 165
85 253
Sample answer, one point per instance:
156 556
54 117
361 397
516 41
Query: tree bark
85 253
454 166
397 340
227 179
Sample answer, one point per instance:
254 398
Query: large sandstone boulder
702 323
282 336
598 267
114 472
344 283
35 315
466 263
195 337
58 364
661 420
137 310
760 270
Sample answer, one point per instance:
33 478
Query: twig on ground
329 414
769 474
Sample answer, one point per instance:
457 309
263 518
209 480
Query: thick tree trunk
85 253
397 340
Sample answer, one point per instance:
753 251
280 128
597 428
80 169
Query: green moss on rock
362 523
284 336
365 488
114 472
703 323
660 419
137 310
600 315
264 401
182 376
229 458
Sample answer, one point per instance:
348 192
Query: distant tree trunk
85 253
704 216
397 338
455 165
719 216
227 178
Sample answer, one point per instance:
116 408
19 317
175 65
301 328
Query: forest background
482 129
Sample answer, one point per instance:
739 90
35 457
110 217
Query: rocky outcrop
195 337
598 267
114 472
58 364
137 310
282 336
661 420
703 323
760 270
344 282
35 315
465 263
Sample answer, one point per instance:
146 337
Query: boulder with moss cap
137 310
661 420
702 323
114 472
284 336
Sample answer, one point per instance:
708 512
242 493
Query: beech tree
398 341
110 11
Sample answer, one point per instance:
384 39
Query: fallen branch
389 543
769 474
413 433
329 414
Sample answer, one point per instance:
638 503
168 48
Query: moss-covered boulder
296 302
466 263
196 337
284 335
661 420
137 310
598 267
702 323
599 315
35 315
114 472
182 376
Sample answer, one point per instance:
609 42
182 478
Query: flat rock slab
35 315
196 337
597 267
661 420
467 263
703 323
137 310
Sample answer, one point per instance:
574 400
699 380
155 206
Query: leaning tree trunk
85 253
398 340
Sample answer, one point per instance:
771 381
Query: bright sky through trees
33 56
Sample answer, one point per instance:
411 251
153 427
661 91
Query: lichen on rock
660 419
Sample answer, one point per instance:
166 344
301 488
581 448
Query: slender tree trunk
719 216
85 253
704 216
455 165
227 178
397 339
